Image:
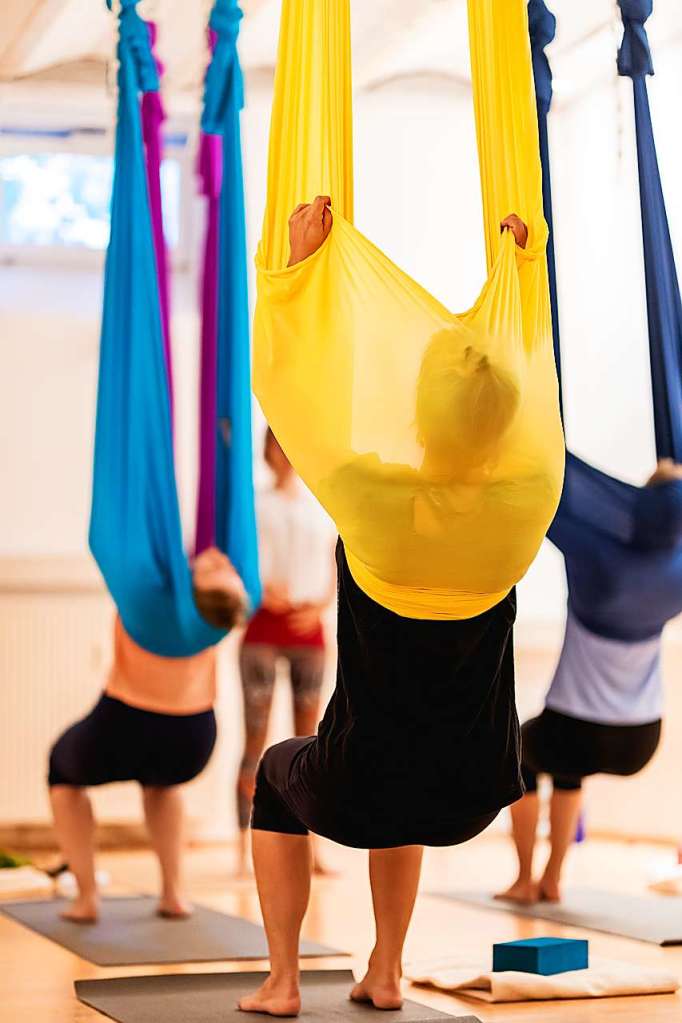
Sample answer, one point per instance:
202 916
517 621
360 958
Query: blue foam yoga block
541 955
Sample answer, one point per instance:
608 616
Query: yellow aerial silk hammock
433 440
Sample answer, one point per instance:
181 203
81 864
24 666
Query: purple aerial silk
210 172
153 116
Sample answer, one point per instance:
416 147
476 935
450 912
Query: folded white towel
603 979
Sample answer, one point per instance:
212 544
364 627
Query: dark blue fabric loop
224 84
634 55
636 10
135 45
623 544
542 26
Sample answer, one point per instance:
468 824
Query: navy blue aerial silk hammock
135 525
623 544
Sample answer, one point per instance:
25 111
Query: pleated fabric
623 544
135 528
226 506
433 439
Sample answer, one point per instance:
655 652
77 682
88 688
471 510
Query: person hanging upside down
603 709
155 725
296 545
423 709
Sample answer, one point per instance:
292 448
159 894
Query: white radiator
55 646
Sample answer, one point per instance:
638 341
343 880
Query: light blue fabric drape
235 520
135 529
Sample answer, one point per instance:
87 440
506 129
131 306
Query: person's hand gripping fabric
309 227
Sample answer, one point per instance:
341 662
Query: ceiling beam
37 18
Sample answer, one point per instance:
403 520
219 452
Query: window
61 200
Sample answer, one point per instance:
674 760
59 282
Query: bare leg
306 719
244 869
164 813
525 816
394 877
283 869
246 786
257 665
75 827
564 817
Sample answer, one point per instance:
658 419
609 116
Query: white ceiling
74 40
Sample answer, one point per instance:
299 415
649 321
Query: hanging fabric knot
542 27
224 74
225 18
634 55
135 44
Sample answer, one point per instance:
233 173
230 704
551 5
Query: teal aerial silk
226 510
135 527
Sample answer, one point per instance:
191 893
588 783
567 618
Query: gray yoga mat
130 933
653 918
213 997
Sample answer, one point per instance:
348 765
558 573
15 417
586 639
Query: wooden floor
36 976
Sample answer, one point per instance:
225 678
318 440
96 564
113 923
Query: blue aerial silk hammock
233 492
135 526
623 544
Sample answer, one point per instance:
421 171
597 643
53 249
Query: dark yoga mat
213 997
130 933
653 918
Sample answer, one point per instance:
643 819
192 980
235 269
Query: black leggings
286 808
116 742
570 749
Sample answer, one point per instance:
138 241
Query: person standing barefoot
419 746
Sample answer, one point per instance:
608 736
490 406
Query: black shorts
116 742
570 749
283 808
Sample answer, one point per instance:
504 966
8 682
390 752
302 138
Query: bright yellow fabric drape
432 439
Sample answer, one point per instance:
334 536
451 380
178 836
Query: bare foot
549 891
526 893
274 999
382 992
174 908
83 910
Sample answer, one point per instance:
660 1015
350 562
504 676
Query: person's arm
309 227
276 598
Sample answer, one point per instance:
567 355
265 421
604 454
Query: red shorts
274 630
